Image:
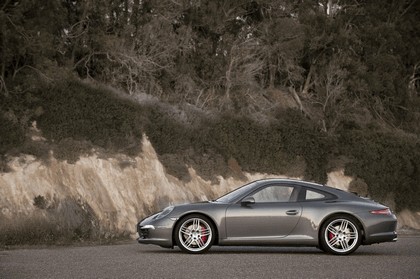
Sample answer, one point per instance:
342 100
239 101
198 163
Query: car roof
289 180
313 185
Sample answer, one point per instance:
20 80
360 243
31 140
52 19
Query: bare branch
3 87
32 68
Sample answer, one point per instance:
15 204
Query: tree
282 45
29 37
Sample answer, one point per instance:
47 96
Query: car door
271 212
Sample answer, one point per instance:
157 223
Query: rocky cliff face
106 197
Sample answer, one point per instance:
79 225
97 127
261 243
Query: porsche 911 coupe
273 212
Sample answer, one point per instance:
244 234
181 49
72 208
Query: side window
275 193
312 195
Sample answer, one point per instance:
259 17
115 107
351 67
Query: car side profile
273 212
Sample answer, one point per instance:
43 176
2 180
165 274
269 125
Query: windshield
235 194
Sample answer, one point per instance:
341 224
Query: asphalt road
132 260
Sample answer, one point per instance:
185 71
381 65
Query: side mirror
247 201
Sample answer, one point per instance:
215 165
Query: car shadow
241 250
217 250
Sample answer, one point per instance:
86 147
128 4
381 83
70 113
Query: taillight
385 211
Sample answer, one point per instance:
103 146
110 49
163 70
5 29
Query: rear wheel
340 235
194 234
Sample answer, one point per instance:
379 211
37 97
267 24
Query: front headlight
164 212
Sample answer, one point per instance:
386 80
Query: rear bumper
379 228
381 237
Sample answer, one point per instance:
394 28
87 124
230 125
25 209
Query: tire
194 234
340 235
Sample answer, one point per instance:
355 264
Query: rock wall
117 191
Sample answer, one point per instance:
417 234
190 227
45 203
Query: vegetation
52 224
277 86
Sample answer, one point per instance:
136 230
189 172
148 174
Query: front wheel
340 235
194 234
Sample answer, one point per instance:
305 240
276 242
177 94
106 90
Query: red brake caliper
204 237
330 235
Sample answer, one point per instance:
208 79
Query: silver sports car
273 212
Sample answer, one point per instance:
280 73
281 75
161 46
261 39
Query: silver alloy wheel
195 235
341 236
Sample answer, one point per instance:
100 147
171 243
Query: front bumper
156 232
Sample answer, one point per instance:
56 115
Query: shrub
74 111
387 162
40 202
12 133
68 221
257 147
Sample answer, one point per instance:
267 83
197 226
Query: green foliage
40 202
51 224
14 116
389 163
166 132
190 51
74 111
257 147
12 134
29 35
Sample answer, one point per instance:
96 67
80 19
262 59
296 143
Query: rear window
313 195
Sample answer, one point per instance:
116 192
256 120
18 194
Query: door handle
292 212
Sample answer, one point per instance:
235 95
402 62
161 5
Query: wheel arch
341 214
213 224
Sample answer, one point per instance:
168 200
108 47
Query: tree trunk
307 83
329 7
